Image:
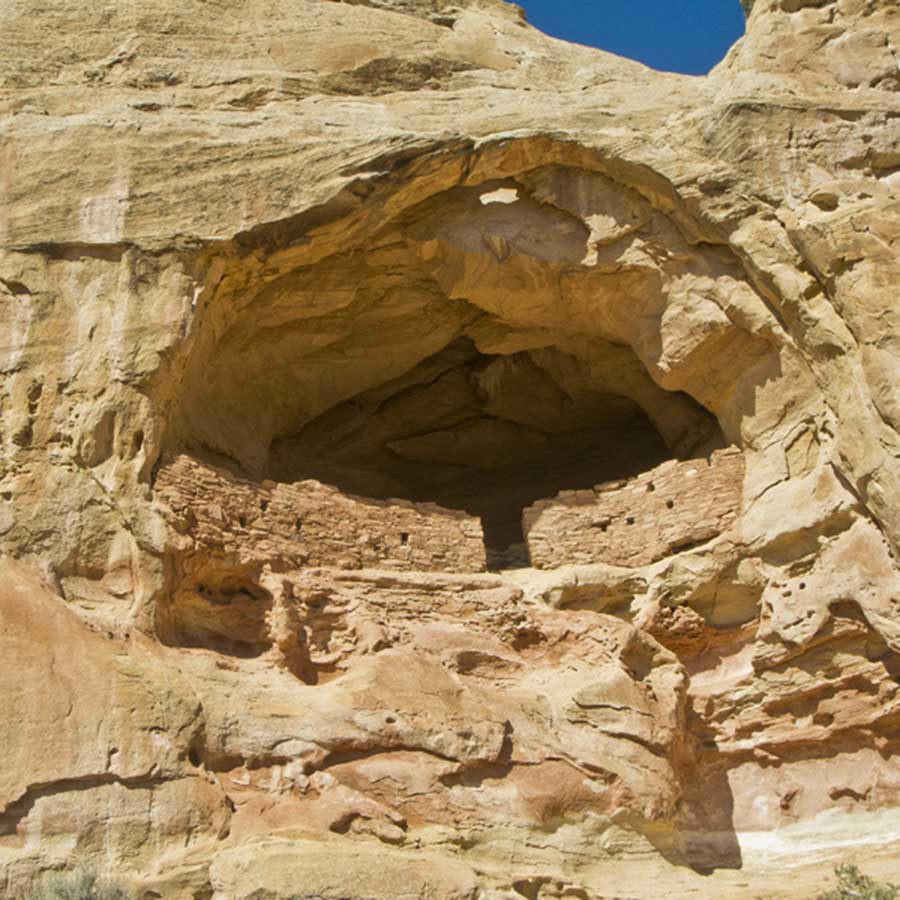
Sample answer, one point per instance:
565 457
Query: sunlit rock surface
437 460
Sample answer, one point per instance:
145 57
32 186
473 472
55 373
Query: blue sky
688 36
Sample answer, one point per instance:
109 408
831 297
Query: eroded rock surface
343 345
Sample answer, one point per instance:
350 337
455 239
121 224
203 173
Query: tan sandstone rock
303 304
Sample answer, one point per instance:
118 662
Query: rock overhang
557 320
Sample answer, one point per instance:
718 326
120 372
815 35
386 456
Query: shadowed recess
485 433
483 349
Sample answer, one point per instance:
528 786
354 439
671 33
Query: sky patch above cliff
688 36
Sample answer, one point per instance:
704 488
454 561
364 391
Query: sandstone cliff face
303 305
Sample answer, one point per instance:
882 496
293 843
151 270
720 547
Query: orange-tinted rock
312 524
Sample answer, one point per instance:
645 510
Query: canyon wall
342 344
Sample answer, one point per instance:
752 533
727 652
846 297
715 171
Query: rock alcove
483 348
240 237
483 433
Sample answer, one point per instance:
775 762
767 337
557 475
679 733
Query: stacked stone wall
630 523
312 524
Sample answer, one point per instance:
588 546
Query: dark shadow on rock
706 816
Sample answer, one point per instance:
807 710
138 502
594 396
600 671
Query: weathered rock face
304 304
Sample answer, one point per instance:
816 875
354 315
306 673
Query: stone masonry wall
312 524
630 523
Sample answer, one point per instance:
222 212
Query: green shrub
81 885
853 885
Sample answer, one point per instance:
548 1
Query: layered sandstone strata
270 262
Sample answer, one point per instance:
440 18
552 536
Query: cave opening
480 346
485 433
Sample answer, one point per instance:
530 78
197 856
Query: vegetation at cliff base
853 885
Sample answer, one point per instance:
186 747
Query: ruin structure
670 509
